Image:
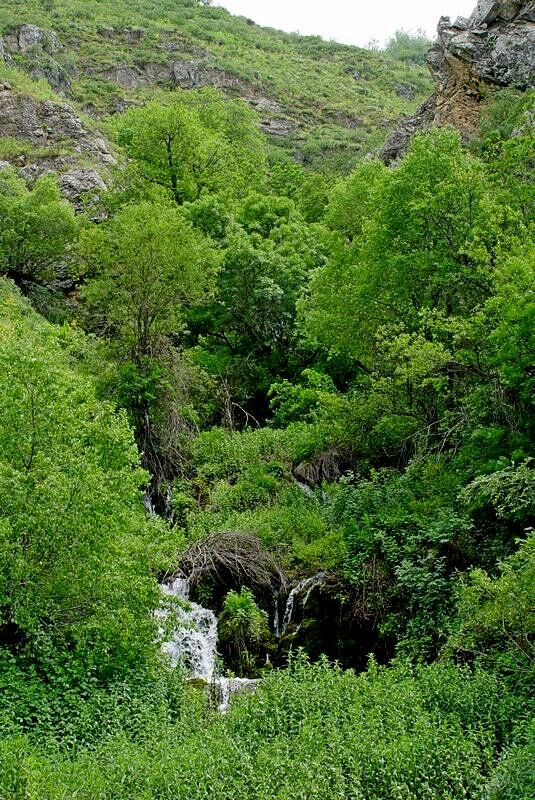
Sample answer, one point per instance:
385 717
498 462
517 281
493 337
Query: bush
310 732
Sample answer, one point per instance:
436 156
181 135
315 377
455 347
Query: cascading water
193 643
302 589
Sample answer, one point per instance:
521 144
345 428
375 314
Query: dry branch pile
232 558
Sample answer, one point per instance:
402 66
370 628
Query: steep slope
325 103
494 47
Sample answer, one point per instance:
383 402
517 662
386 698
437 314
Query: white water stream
193 643
301 591
190 635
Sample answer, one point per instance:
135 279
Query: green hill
324 102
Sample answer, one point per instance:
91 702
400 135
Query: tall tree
194 143
148 266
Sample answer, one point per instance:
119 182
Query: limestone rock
53 72
130 35
405 90
461 23
28 37
39 48
494 47
278 127
75 183
5 55
126 77
191 74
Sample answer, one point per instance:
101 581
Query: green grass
19 81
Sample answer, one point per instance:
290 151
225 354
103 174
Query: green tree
192 144
75 574
37 231
431 243
148 265
407 46
494 622
247 333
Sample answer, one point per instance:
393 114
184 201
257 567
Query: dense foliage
336 371
310 732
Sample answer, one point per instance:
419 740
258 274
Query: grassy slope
311 79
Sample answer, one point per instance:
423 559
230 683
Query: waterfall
302 589
193 643
149 505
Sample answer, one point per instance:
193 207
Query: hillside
323 102
267 418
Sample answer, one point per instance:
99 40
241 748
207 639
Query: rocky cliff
494 47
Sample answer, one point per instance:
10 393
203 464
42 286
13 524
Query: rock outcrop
28 37
189 74
398 143
195 74
46 123
38 48
494 47
60 144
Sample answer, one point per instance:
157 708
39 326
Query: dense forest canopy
304 373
